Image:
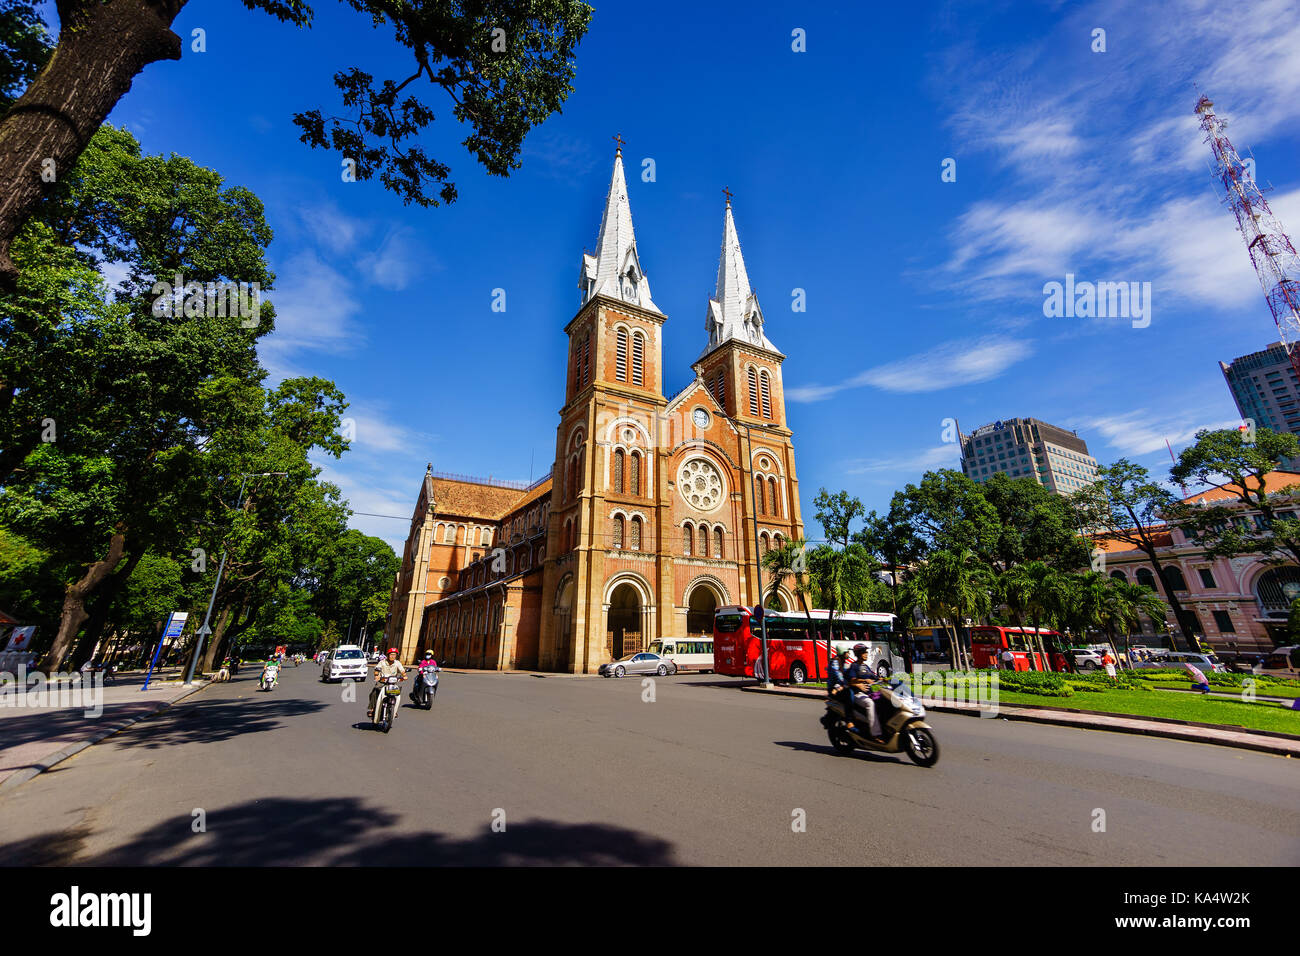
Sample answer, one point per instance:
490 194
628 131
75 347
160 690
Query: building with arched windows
1234 604
658 509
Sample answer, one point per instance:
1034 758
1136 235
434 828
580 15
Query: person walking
1108 660
1008 659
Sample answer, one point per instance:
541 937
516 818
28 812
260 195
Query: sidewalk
35 738
1266 741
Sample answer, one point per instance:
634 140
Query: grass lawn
1261 715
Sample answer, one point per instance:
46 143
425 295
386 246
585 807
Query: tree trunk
100 608
74 601
103 45
1174 605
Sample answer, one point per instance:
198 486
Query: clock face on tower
701 418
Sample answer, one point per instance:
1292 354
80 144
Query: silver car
643 663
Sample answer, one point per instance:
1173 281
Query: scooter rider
837 682
427 663
860 677
391 667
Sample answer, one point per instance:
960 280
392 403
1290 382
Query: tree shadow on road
209 720
345 832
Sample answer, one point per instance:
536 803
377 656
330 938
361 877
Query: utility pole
206 628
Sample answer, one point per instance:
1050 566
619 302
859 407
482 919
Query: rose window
700 484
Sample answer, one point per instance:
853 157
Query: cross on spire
728 193
618 138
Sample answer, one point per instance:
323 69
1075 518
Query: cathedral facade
658 508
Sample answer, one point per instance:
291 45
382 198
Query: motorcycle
270 675
426 687
390 694
902 725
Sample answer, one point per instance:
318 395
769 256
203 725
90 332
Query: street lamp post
206 629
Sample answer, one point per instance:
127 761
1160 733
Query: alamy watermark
1102 300
39 691
213 300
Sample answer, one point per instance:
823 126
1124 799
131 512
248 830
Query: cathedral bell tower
606 463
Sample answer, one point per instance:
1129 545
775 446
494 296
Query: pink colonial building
1235 604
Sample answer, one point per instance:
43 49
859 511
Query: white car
1283 661
345 662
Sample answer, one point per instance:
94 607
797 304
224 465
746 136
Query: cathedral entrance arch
701 603
623 630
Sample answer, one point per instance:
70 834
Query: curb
19 777
1049 717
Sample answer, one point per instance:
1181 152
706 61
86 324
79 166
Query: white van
1282 661
688 653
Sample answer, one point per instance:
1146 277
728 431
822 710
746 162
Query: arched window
1173 576
620 358
638 359
616 535
767 394
717 542
704 541
686 539
634 479
778 541
1146 578
763 544
753 392
586 360
720 387
636 534
618 471
1119 576
774 504
449 535
758 493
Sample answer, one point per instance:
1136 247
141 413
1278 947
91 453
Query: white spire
615 269
734 312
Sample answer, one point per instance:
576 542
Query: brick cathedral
657 509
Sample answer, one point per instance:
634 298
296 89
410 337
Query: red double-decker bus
791 651
988 642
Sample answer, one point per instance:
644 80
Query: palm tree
952 586
790 560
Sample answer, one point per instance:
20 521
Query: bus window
728 623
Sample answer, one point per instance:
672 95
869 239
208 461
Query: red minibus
988 642
738 647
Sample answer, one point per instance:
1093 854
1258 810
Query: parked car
1206 663
1283 661
347 661
643 663
1243 663
1086 658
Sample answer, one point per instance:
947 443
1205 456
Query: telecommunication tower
1271 252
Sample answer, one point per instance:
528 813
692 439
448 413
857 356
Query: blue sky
924 298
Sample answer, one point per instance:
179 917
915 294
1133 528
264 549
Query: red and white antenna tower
1271 252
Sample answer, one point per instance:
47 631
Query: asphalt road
582 770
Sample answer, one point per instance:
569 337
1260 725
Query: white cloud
940 456
314 310
956 363
1137 434
397 262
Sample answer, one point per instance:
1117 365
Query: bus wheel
797 674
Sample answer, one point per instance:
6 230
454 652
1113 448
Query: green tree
105 432
1223 459
1124 504
506 65
951 586
1033 524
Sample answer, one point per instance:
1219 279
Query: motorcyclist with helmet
859 677
390 667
